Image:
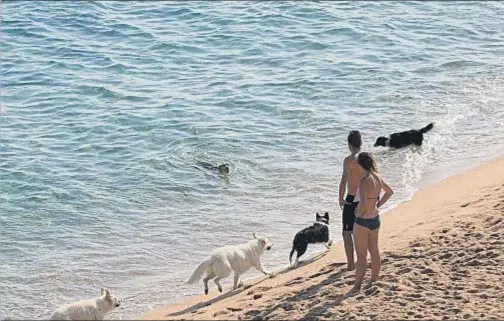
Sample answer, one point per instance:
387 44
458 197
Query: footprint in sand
402 302
252 313
264 289
220 313
373 290
403 270
428 271
445 256
293 282
234 309
287 306
413 295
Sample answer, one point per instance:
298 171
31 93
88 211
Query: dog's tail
427 128
198 273
291 253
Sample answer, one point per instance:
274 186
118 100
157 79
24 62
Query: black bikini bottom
370 223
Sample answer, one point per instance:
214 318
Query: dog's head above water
263 242
223 168
322 218
381 141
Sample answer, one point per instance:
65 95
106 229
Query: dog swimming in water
403 139
222 168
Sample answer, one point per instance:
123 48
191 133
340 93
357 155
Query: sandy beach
442 256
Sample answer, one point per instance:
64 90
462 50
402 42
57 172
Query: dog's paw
206 291
220 289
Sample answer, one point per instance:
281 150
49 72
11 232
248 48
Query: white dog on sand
93 309
234 258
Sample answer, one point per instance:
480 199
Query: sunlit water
106 107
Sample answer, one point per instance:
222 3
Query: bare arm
388 193
343 183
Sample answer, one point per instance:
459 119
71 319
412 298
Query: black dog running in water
222 168
403 139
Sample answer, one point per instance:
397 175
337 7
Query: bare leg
205 281
361 247
349 249
217 279
375 254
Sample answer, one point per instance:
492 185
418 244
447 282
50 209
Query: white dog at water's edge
234 258
92 309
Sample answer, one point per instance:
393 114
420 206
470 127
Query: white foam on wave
463 114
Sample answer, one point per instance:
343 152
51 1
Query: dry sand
442 255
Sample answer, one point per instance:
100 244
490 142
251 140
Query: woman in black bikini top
368 209
367 221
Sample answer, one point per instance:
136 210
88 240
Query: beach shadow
307 296
204 304
303 263
321 310
221 297
232 293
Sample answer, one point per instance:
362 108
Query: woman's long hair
366 161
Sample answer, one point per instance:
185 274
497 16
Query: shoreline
431 207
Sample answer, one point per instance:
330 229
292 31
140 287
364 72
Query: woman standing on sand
367 220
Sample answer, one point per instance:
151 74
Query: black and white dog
403 139
317 233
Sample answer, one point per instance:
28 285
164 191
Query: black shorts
349 213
